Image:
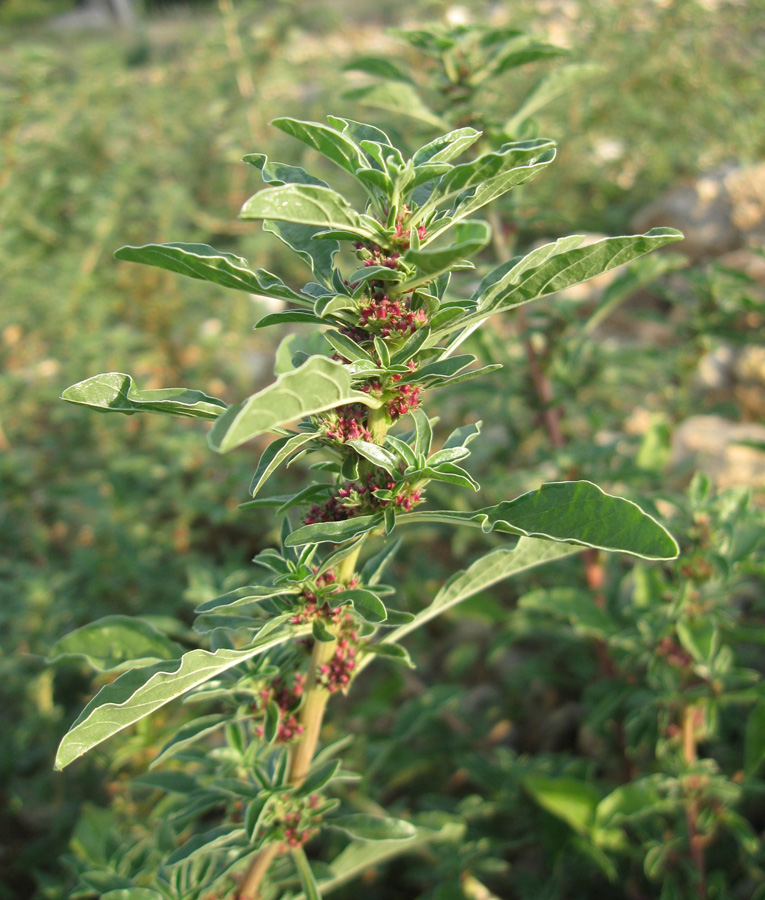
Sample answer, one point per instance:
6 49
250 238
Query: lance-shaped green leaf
359 131
207 264
379 67
367 605
243 596
515 54
478 171
550 87
334 532
308 204
469 238
492 188
377 455
399 98
188 735
288 317
318 385
572 266
274 455
577 512
208 843
360 856
116 392
281 173
140 692
484 572
446 147
373 828
114 643
329 142
307 880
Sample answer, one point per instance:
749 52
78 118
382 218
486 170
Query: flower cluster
388 316
312 608
335 675
347 423
362 498
288 700
294 822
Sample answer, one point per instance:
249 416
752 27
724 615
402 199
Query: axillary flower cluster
380 315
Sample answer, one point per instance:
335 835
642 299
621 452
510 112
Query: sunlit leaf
116 392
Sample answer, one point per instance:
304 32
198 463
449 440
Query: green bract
353 399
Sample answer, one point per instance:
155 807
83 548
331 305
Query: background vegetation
110 138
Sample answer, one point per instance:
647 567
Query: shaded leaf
373 828
114 643
571 800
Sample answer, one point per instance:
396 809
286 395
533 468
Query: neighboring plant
268 657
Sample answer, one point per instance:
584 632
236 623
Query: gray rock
718 447
718 212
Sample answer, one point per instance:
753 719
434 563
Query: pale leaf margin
140 692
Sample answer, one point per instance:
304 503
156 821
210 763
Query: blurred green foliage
108 139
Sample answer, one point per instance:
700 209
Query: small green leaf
114 643
270 722
308 204
469 238
205 844
628 801
367 605
318 385
568 799
423 433
700 637
374 828
140 692
189 734
376 454
287 317
379 67
376 565
243 596
307 880
446 147
399 98
116 392
281 173
274 455
550 87
330 143
461 437
207 264
390 651
334 532
319 777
